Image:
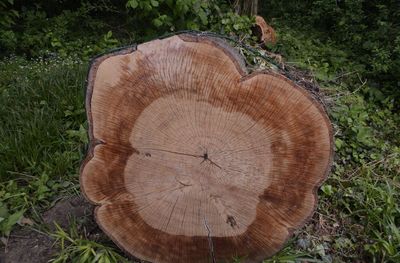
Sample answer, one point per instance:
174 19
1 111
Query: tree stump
193 160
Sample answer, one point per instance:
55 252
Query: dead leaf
26 221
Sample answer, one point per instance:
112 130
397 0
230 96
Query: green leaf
320 250
327 189
132 3
338 143
3 210
203 17
225 21
154 3
81 134
157 22
7 225
85 256
15 13
363 136
191 25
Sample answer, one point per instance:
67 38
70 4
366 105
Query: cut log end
198 160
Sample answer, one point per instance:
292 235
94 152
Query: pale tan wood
191 158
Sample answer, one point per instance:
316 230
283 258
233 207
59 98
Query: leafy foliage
360 199
39 29
37 34
7 19
168 15
368 31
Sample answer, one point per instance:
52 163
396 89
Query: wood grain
191 158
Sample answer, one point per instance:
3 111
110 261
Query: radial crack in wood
196 155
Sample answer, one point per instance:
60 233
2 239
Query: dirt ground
27 245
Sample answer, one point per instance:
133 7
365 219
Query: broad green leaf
154 3
132 3
8 224
157 22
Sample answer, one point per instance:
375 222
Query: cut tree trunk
193 160
264 32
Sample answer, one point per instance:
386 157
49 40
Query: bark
246 7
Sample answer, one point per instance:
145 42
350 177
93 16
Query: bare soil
28 245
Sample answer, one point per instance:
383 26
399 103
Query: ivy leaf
363 135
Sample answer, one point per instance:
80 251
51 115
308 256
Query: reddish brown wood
191 158
263 31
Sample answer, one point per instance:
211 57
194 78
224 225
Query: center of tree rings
176 131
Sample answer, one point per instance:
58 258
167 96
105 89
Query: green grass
74 247
43 137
